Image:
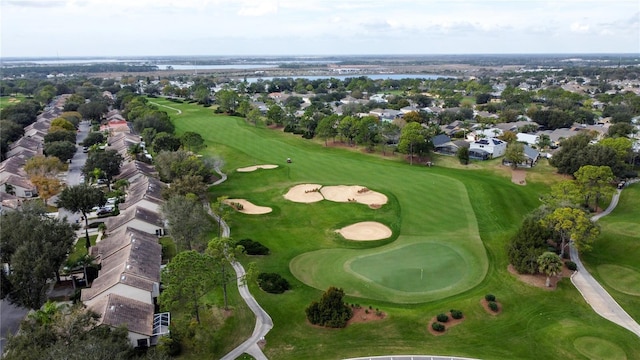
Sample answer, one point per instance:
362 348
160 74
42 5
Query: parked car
85 149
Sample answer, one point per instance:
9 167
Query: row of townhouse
126 290
15 185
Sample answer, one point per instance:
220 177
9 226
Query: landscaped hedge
273 283
437 327
253 247
442 318
490 297
571 265
493 306
456 314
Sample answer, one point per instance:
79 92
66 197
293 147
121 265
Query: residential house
492 146
531 158
443 145
529 139
138 218
132 170
18 186
25 143
478 134
145 192
137 316
386 114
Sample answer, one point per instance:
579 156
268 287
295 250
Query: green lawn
459 219
79 249
10 100
614 259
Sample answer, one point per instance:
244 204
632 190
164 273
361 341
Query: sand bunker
355 193
304 193
256 167
247 207
365 231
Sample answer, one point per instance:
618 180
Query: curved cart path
593 293
263 320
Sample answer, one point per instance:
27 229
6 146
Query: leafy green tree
192 141
572 224
348 128
623 147
515 154
93 110
184 185
227 100
327 128
82 198
35 248
527 245
275 114
175 164
186 279
166 142
330 311
224 252
594 182
187 220
63 150
60 135
93 138
463 155
550 264
108 162
67 332
62 123
10 131
563 194
412 137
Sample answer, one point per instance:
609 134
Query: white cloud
579 28
258 8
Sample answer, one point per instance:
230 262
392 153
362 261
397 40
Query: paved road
263 320
593 293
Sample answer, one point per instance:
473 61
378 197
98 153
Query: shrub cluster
330 311
456 314
571 265
253 247
273 283
493 306
490 297
442 318
437 327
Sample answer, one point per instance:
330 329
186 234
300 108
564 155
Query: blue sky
50 28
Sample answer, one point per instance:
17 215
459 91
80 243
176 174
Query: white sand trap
248 207
355 193
365 231
304 193
256 167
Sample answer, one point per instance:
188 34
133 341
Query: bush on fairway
490 297
456 314
273 283
442 318
437 327
253 247
331 311
493 306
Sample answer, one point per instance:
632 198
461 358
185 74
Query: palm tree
550 264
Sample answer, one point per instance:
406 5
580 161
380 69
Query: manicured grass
79 249
613 260
594 348
469 210
10 100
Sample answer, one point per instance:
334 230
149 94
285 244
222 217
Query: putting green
412 268
596 349
621 278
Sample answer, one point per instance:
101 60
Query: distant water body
342 77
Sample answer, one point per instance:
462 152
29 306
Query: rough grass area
471 210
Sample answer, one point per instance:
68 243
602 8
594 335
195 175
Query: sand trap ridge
248 207
256 167
354 193
365 231
304 193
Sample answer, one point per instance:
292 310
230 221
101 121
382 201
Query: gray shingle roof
116 310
